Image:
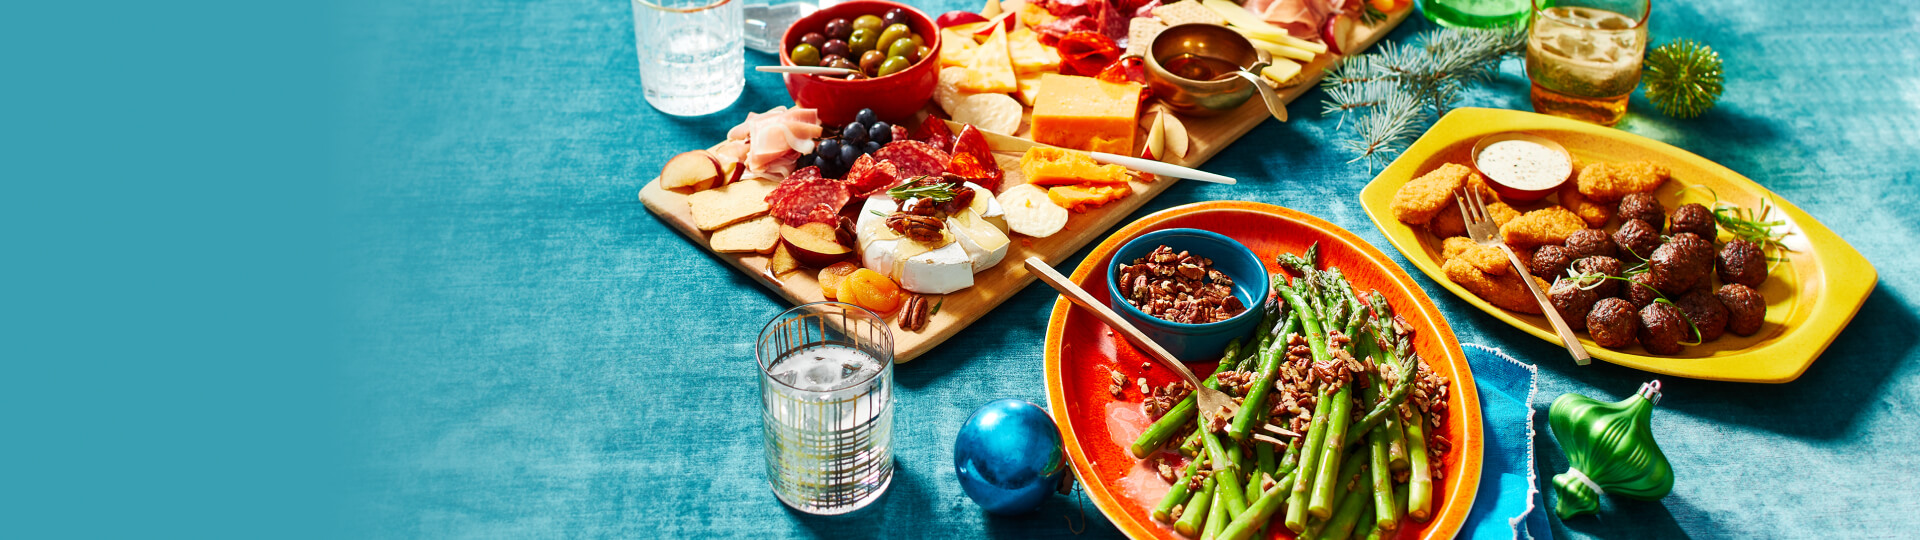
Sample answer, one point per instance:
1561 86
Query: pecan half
914 313
919 228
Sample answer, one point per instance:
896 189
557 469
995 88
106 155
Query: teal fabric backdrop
530 353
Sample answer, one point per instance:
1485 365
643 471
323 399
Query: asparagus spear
1258 513
1190 446
1254 411
1170 424
1303 473
1385 516
1192 518
1217 517
1322 502
1352 506
1177 495
1420 480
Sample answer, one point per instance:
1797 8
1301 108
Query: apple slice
1178 143
1338 33
1004 20
697 169
814 244
956 18
1156 138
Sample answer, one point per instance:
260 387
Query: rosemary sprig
936 191
1402 87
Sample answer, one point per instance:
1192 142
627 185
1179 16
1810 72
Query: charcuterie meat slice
914 158
973 160
869 176
805 197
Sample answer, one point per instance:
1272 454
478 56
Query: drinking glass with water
826 394
690 57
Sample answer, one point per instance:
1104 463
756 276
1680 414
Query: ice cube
822 374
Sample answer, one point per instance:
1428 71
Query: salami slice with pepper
973 160
869 176
914 158
934 131
806 197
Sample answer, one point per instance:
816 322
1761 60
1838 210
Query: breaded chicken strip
1549 225
1595 214
1450 223
1453 247
1423 198
1608 182
1506 291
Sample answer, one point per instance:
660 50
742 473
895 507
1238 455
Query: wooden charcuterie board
994 285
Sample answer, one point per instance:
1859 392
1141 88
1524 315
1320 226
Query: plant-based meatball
1680 263
1641 292
1696 219
1550 262
1662 328
1572 301
1613 323
1746 310
1742 262
1643 207
1706 312
1636 239
1590 243
1601 265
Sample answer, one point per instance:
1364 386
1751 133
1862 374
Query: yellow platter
1810 297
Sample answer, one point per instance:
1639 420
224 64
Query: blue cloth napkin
1508 504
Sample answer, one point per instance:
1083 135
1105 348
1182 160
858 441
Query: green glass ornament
1610 451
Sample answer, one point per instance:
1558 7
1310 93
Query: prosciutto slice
1301 18
774 139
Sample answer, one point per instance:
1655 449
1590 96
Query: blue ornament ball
1009 456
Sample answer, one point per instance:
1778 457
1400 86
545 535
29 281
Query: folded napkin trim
1533 480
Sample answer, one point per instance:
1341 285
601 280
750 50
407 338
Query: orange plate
1080 350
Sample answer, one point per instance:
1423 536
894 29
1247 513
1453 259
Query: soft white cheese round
939 271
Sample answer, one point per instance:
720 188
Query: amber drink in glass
1584 57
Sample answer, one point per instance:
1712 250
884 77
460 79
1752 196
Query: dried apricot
871 290
832 275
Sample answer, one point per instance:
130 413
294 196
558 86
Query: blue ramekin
1194 342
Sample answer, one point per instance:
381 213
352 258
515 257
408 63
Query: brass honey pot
1208 70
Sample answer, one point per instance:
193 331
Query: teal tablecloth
534 355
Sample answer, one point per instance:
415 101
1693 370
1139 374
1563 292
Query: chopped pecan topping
1179 287
919 228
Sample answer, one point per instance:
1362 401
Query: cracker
757 235
729 204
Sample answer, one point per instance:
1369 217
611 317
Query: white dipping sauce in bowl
1524 164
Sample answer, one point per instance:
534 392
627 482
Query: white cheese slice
938 271
872 223
986 245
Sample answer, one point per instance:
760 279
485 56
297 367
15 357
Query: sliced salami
934 131
914 158
805 197
869 176
972 160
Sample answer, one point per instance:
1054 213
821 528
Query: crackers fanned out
1423 198
1609 182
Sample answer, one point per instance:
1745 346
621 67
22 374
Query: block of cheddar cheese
1049 166
1086 113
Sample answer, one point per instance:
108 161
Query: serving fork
1484 231
1213 403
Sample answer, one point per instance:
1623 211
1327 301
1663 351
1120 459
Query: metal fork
1483 230
1212 403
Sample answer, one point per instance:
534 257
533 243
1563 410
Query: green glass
1476 13
1610 450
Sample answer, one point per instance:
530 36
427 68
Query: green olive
805 55
894 64
863 40
918 43
870 61
892 33
870 22
906 49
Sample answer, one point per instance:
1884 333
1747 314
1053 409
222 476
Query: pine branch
1400 88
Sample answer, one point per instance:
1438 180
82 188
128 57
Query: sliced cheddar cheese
1029 88
1049 166
956 49
991 69
1028 54
1083 197
1086 113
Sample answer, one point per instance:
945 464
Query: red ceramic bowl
893 98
